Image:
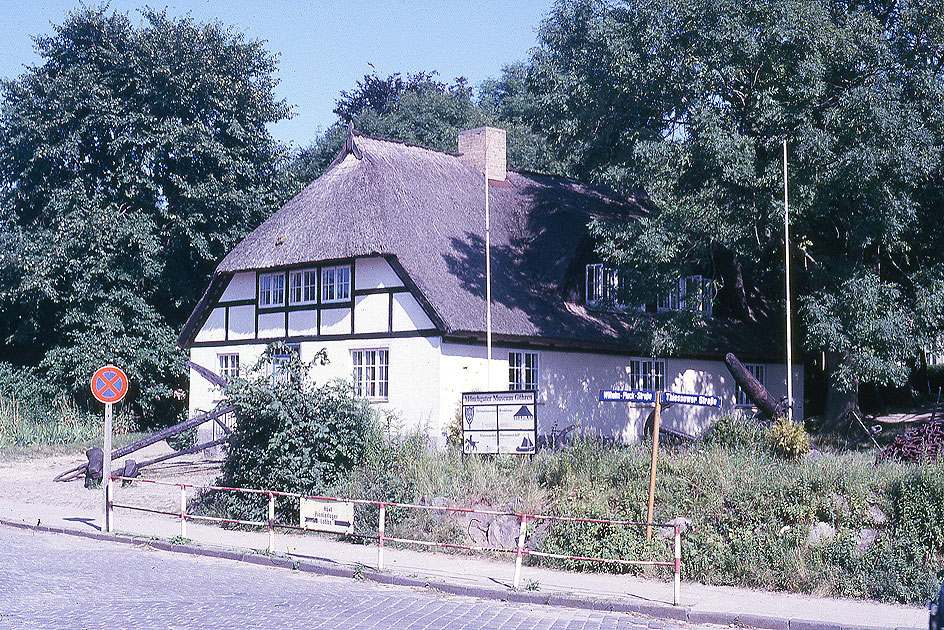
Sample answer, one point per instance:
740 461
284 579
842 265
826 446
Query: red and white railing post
183 511
380 533
521 534
678 564
271 523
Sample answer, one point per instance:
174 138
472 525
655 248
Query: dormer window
602 285
692 292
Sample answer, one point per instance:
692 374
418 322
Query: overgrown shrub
735 431
291 434
788 439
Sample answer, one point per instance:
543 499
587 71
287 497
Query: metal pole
109 500
652 466
678 564
786 250
106 466
521 534
183 512
488 287
271 523
380 531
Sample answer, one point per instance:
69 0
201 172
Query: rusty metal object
919 442
757 393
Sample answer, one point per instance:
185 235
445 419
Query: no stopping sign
109 384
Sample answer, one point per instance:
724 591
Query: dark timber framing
317 307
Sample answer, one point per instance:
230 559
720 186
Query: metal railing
520 550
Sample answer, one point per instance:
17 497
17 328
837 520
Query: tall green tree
420 109
693 99
131 160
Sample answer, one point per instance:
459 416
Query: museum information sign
499 422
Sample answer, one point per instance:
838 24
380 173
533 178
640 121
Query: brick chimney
484 149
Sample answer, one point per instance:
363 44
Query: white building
381 261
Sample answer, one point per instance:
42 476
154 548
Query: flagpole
488 288
786 250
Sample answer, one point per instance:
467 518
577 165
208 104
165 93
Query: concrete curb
659 611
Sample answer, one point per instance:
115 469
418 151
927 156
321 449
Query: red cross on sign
109 384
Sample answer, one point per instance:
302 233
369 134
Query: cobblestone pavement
55 581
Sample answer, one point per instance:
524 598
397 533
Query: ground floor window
229 365
278 370
371 368
759 372
522 370
647 374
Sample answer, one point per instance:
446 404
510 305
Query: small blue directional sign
628 395
703 400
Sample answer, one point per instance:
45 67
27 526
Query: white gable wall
381 305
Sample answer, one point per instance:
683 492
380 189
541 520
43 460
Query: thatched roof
424 209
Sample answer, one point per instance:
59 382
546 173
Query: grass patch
844 524
29 429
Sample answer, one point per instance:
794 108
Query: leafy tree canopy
693 100
131 160
420 109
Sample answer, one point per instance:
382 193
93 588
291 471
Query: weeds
34 425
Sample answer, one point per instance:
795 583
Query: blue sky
325 46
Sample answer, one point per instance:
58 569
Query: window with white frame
935 354
692 292
371 373
303 286
336 283
647 374
699 294
271 289
523 370
670 300
602 284
758 371
229 365
278 370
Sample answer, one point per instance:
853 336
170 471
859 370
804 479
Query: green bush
788 439
292 435
734 431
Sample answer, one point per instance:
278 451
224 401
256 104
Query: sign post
645 396
652 465
109 385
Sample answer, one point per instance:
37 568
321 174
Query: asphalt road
60 581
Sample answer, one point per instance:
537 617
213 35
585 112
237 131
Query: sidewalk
478 577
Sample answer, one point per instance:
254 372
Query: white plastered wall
570 384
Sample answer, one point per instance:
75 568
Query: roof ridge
406 144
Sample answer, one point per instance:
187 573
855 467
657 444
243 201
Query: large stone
503 532
865 539
876 516
669 532
820 533
439 502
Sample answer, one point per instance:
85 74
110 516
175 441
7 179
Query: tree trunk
842 400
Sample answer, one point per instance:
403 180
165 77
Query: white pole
488 287
786 253
106 466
